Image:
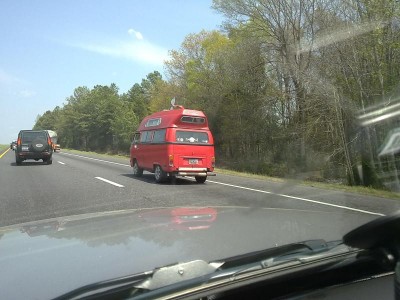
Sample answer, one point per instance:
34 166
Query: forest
304 88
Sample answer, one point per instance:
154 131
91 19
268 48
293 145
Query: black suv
34 144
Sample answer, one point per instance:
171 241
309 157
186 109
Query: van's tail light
213 161
19 141
49 141
171 160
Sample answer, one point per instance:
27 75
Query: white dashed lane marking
299 198
109 181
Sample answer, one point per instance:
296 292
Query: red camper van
172 143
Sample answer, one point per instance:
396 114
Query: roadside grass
249 175
363 190
3 148
322 185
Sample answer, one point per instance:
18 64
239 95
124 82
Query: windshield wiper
107 287
129 286
310 247
198 271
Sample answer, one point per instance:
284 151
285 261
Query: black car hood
42 260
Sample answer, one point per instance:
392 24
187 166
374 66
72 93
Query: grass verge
331 186
3 148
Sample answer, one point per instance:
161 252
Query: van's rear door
193 150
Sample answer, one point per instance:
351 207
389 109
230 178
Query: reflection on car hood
48 258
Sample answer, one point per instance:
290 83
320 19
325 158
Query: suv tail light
19 141
49 141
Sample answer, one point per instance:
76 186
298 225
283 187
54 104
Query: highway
86 183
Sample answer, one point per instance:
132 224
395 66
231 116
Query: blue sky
48 48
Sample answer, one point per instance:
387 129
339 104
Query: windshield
185 130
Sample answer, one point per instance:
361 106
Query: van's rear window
191 137
193 120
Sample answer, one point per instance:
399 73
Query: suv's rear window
191 137
29 136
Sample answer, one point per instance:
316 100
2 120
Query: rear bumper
202 174
33 155
193 172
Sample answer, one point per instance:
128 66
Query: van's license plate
193 161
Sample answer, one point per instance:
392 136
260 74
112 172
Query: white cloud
135 33
8 79
26 93
15 86
137 51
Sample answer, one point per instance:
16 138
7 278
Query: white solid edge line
246 188
109 181
96 159
60 162
298 198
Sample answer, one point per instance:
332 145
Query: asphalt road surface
80 183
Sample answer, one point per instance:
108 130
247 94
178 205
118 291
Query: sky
48 48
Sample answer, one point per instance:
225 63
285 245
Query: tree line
283 83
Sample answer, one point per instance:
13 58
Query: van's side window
146 136
149 136
159 136
143 136
153 122
136 138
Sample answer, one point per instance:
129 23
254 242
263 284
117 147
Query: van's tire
49 161
200 179
159 174
137 172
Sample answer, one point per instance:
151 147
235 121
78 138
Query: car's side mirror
382 234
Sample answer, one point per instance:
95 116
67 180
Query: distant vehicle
13 145
34 144
54 140
56 147
172 143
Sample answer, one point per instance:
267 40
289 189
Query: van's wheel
137 172
18 161
200 179
159 174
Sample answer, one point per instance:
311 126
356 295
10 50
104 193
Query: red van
172 143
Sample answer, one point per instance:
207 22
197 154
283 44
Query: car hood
44 259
